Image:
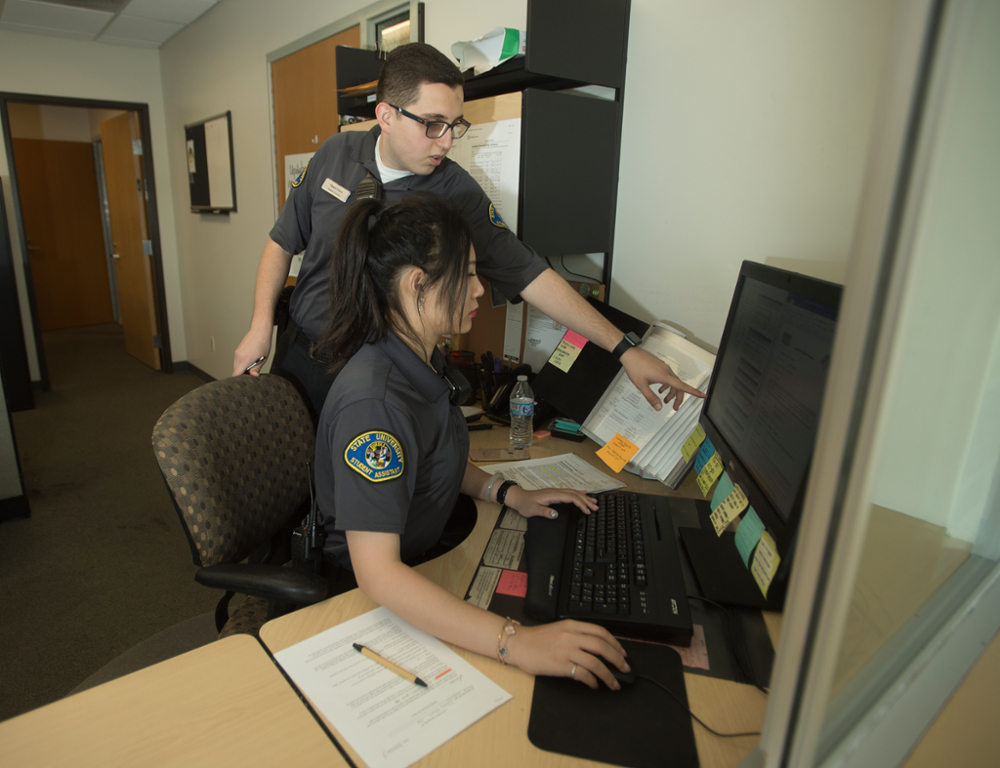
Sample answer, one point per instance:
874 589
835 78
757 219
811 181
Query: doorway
77 286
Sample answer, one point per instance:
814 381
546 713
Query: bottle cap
522 378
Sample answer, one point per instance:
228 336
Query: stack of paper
658 435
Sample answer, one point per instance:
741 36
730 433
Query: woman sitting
392 451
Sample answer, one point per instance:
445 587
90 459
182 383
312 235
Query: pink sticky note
513 583
575 339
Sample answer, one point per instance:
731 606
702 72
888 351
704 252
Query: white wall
35 64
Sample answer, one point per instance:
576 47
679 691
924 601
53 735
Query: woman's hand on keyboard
535 503
568 649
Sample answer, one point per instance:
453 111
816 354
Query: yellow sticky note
568 350
765 562
617 452
709 473
691 445
729 509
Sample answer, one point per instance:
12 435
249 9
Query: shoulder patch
301 176
495 218
376 455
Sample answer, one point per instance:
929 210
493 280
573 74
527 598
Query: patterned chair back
234 453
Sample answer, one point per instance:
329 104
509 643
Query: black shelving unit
570 142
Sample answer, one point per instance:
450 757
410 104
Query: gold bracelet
507 631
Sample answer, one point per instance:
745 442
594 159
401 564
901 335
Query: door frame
151 213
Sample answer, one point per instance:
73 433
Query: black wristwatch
505 486
631 340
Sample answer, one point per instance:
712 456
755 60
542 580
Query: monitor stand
721 575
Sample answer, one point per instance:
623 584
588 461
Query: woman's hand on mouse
535 503
567 649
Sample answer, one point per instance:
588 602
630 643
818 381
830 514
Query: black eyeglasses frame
458 128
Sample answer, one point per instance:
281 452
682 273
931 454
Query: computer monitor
761 413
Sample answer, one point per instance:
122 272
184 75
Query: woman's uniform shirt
391 451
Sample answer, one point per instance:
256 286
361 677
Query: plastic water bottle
522 409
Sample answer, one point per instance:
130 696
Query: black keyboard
618 567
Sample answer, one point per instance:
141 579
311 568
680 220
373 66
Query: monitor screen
769 382
762 413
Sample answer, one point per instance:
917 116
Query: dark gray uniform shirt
312 214
390 451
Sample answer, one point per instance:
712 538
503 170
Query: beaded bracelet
507 631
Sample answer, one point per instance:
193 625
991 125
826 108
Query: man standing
419 113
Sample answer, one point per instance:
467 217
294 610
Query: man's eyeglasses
435 129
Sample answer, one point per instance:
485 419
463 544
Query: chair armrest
271 582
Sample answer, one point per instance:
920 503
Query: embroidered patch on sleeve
301 176
376 455
495 218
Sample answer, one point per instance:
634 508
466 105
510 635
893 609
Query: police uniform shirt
319 198
391 450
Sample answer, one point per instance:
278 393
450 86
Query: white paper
491 153
483 587
565 471
390 721
512 332
541 336
220 180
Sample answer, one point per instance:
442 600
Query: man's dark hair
408 67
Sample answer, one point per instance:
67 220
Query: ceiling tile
180 11
131 27
55 17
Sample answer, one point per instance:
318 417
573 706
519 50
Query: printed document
389 721
565 471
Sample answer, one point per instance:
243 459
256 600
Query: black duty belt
300 339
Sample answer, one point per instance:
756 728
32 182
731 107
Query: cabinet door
569 172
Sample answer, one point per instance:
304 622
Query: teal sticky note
722 490
748 533
706 452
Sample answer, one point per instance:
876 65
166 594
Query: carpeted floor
102 563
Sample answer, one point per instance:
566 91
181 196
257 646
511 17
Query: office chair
233 454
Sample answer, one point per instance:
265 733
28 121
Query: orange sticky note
617 452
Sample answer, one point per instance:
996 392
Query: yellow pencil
388 665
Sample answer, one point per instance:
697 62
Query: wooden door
127 209
304 94
61 210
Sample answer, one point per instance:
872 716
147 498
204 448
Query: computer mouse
624 678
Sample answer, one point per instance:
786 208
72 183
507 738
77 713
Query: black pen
389 665
473 427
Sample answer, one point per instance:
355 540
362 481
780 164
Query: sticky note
748 534
568 350
709 473
706 453
765 562
694 440
617 452
513 583
728 502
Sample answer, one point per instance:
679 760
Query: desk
223 704
501 737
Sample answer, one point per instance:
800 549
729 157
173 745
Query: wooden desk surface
501 737
222 704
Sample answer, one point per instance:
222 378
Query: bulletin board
210 165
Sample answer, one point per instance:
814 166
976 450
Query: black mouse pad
640 726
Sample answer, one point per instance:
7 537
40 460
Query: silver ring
572 674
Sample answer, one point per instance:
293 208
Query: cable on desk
562 263
696 718
746 663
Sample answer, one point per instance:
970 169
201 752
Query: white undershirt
384 171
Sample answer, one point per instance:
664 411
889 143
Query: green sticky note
722 490
748 533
